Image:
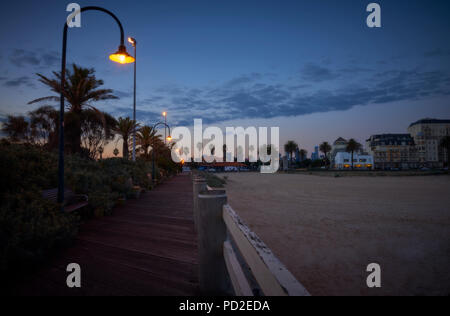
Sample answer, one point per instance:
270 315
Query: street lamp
154 147
133 42
121 56
165 122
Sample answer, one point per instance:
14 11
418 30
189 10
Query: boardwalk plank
147 247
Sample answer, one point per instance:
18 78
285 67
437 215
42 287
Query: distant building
393 151
343 161
297 156
427 134
315 154
339 146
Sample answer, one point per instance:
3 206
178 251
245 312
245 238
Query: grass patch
212 180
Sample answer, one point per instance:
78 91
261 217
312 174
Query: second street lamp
121 56
154 148
133 42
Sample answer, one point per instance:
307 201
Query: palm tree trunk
125 149
352 159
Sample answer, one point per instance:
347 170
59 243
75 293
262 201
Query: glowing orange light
169 138
164 114
122 57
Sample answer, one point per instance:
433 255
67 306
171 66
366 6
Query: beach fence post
199 185
212 233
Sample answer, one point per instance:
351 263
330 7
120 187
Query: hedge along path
147 247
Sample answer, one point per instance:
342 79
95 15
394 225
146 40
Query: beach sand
327 230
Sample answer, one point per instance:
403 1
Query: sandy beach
327 230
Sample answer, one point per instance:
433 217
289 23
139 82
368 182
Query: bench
72 201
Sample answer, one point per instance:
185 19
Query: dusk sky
313 68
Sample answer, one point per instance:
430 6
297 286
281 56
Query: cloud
122 94
17 82
438 52
22 58
256 96
317 73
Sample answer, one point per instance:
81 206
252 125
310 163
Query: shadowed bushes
30 227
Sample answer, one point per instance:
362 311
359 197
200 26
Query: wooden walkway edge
147 247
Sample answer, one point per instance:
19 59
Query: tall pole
154 148
134 103
61 108
165 129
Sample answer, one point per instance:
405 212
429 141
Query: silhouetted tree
352 147
325 147
17 128
82 88
125 128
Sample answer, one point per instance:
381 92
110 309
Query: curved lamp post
121 56
133 42
154 148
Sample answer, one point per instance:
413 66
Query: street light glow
122 56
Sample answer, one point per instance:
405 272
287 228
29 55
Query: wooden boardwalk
147 247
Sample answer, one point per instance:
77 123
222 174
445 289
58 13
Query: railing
232 259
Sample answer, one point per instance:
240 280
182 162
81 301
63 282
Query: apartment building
393 151
427 134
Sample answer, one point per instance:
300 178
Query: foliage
17 128
44 126
290 147
81 89
352 147
212 180
125 128
325 147
145 138
30 226
96 131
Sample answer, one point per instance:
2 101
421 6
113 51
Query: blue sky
311 67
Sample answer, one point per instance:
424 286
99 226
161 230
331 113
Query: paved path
147 247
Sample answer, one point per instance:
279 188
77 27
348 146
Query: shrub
30 227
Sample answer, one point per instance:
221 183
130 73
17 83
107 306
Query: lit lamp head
164 114
122 56
169 138
132 41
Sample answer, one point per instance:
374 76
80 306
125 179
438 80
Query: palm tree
290 147
353 146
125 128
325 148
82 88
17 128
145 139
445 143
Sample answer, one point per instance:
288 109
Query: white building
343 161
